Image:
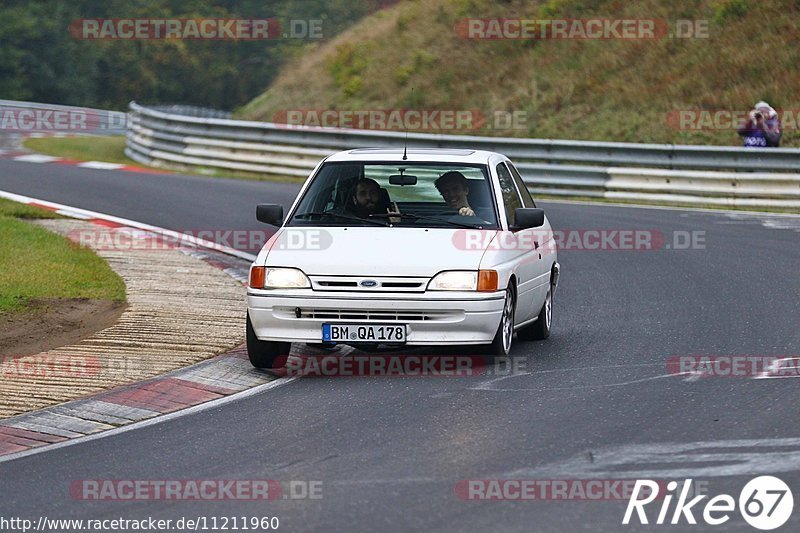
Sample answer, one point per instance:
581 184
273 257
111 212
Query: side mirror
528 217
269 214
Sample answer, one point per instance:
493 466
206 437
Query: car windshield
440 195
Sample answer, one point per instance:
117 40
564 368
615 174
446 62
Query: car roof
432 155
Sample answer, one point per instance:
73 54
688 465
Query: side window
509 190
527 200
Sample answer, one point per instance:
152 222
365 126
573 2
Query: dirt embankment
52 323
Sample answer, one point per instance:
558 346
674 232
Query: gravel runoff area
182 309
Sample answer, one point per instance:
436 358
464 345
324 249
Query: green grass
83 148
410 56
18 210
35 263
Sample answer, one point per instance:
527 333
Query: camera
757 115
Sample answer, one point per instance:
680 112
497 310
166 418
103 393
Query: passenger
454 188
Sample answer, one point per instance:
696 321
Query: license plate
363 333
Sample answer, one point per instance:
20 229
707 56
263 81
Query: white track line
100 165
85 213
36 158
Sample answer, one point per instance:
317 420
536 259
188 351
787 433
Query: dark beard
364 212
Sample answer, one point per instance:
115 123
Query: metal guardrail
191 111
34 118
721 175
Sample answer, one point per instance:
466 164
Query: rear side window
509 190
527 200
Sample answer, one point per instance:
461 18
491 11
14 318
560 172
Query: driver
367 200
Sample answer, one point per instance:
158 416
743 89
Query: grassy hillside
410 56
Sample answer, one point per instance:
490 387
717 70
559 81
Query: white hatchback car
386 247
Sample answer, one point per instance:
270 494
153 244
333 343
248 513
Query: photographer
762 128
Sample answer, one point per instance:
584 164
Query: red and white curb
102 416
221 376
209 384
214 379
28 157
201 386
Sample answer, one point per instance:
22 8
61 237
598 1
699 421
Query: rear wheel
265 354
540 329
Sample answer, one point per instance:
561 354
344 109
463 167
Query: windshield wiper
338 215
414 216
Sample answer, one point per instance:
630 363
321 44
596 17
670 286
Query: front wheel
501 345
265 354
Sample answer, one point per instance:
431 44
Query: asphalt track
594 401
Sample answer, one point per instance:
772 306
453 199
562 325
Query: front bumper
449 319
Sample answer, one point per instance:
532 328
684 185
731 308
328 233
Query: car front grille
368 283
369 315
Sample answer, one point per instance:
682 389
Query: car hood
379 251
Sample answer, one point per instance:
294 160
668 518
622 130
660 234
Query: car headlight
465 280
454 280
278 278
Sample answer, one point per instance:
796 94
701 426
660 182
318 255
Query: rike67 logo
765 503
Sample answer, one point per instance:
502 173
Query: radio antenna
405 141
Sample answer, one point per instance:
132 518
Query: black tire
501 345
540 329
265 354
